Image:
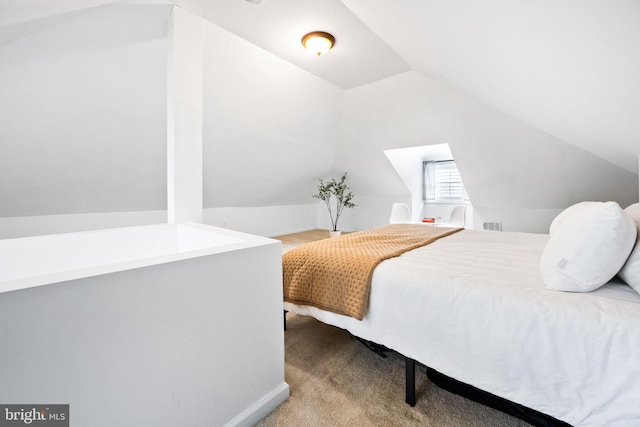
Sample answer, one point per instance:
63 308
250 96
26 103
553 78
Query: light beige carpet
290 241
337 381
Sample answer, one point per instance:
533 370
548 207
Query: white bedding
473 306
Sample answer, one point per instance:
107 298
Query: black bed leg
410 391
284 316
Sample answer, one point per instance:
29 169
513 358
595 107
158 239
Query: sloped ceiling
19 18
568 68
359 56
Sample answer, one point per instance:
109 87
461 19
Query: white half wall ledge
142 308
29 226
267 221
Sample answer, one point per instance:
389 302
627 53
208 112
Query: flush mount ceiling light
318 42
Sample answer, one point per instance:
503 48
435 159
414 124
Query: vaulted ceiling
569 68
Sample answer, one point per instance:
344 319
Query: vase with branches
337 196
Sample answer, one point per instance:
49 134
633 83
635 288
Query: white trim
261 408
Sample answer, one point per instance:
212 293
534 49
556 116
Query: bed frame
452 385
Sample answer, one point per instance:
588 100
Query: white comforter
473 306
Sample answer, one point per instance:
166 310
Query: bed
476 306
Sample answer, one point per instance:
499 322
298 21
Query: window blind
442 182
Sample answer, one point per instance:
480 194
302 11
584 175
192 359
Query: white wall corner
184 116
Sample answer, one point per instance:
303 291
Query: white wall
513 173
84 137
372 210
83 114
265 220
270 128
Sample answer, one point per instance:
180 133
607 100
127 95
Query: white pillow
567 213
586 252
630 273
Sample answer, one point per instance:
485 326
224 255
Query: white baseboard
263 221
261 408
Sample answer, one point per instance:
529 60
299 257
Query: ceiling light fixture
318 42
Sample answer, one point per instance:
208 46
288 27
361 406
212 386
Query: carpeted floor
337 381
290 241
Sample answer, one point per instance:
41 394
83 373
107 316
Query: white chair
457 217
400 214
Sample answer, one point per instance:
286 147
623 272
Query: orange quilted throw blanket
335 274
